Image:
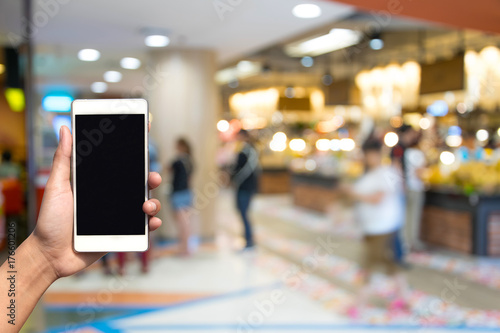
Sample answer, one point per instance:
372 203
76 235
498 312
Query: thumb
61 167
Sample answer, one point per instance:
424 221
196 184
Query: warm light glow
279 136
385 90
454 140
424 123
112 76
347 144
396 121
2 68
245 66
335 144
157 41
310 165
277 145
89 55
482 135
391 139
263 101
306 10
335 40
253 123
498 131
323 145
447 158
15 99
99 87
223 125
297 145
483 75
130 63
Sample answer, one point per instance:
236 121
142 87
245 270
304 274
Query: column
184 102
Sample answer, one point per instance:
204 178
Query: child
379 211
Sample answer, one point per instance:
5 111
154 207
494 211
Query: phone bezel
110 243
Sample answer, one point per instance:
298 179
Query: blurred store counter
460 222
314 191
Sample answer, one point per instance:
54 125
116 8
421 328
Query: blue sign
57 103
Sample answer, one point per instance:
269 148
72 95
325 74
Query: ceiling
115 27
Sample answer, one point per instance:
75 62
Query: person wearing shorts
181 198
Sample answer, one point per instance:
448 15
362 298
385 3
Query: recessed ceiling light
112 76
130 63
307 61
337 39
157 41
99 87
376 44
89 55
306 10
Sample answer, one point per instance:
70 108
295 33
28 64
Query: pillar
183 101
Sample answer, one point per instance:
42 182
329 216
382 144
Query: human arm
355 194
47 254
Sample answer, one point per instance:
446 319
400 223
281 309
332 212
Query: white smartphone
110 175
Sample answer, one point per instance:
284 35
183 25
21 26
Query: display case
464 223
314 191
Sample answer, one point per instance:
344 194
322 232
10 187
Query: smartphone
110 175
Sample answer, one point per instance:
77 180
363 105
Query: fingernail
153 206
60 133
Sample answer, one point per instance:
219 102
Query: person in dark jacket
245 176
182 196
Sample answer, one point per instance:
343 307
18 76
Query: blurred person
11 186
182 196
105 264
47 254
407 136
9 169
379 211
122 260
415 163
244 176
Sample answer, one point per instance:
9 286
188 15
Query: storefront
309 125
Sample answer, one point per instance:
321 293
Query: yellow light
15 98
277 145
482 135
391 139
323 144
2 68
454 140
297 145
223 125
347 144
279 136
396 121
447 158
424 123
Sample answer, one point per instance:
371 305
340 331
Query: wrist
38 261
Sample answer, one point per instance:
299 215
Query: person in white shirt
415 162
379 211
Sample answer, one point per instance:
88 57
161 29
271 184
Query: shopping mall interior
322 141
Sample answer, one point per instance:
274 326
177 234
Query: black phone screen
110 166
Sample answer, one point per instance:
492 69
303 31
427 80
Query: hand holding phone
52 237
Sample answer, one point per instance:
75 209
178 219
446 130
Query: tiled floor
221 290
